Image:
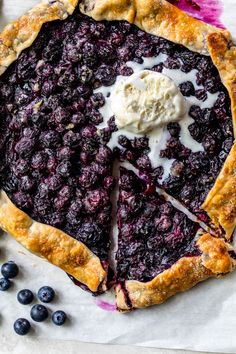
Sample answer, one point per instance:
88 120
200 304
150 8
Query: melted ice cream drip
159 136
145 101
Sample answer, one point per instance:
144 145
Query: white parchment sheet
203 318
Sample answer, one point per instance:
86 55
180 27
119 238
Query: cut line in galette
60 144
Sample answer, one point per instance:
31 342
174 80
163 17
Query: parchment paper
203 318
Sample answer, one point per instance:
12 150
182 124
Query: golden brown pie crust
184 274
156 17
160 18
220 203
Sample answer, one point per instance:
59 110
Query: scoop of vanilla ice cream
146 100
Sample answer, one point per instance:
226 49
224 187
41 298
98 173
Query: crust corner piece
214 261
52 244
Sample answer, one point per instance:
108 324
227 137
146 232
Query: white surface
202 319
29 346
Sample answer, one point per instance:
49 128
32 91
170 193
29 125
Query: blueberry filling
59 317
55 162
153 235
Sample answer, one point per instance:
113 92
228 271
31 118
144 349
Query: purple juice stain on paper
105 305
208 11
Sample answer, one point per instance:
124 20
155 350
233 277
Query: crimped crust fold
156 17
52 244
220 203
184 274
223 55
163 19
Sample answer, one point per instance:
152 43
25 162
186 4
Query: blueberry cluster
38 312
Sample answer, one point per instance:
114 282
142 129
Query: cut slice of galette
160 250
82 85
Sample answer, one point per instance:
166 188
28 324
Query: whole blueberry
46 294
5 284
59 317
9 270
39 313
25 296
21 326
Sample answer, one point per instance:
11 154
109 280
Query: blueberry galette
120 115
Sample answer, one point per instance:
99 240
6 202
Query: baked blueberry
59 317
25 296
5 284
39 313
46 294
9 270
22 326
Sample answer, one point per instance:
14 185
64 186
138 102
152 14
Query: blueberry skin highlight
39 313
5 284
25 296
46 294
22 326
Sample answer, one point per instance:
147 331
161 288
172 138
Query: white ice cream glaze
146 100
159 136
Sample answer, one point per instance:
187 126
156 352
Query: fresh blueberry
9 270
5 284
46 294
39 313
21 326
25 296
59 318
